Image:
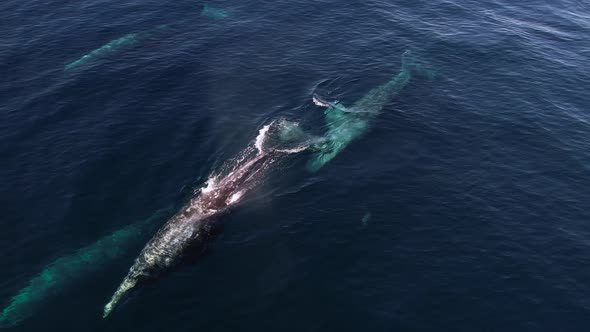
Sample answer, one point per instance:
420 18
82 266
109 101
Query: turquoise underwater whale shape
212 12
346 124
112 47
131 39
67 269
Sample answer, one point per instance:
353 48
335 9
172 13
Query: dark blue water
476 180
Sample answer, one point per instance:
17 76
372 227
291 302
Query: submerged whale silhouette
346 124
67 269
198 220
212 12
113 46
131 39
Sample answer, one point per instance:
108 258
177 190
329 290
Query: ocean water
465 208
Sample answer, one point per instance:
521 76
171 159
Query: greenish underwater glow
344 125
67 269
365 219
107 49
212 12
133 38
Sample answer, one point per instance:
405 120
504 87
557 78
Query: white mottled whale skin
198 220
192 226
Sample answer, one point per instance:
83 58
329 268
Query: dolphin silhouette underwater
346 124
199 220
67 269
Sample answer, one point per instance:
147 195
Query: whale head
126 286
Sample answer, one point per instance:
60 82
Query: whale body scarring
198 220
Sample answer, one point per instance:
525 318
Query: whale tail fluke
413 64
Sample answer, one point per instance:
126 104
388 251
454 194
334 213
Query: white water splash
235 197
293 150
211 185
261 137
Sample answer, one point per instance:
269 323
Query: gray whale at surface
197 222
